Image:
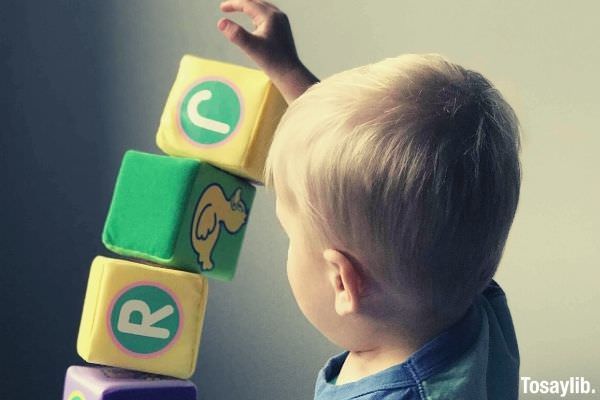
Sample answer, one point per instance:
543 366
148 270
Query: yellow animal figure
214 208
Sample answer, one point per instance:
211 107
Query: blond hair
410 166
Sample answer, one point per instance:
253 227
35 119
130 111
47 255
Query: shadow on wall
55 185
81 82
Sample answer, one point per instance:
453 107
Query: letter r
146 326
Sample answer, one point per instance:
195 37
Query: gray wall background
81 82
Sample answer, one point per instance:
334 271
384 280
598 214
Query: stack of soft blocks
179 220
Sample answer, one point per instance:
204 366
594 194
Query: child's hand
270 45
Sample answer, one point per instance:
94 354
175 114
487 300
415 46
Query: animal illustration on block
212 211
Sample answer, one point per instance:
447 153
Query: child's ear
347 281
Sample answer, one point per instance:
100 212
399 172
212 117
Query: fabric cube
180 213
142 317
109 383
221 113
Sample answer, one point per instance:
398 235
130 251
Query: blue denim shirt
475 359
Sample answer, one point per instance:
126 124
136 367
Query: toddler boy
397 184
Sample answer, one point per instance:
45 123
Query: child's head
409 169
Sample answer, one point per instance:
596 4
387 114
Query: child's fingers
254 10
236 34
270 5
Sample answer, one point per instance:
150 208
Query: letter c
199 120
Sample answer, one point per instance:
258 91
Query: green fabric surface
148 203
152 214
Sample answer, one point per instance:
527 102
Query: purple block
108 383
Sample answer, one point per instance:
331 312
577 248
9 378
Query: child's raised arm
270 45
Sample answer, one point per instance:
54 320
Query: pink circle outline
112 305
237 91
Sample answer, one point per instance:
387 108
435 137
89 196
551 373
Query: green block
179 213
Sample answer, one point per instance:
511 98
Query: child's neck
360 364
391 348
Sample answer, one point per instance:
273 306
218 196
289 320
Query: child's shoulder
475 358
